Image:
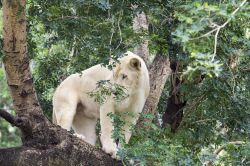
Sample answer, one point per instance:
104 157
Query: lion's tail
54 117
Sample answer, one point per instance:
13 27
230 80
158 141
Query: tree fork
20 122
61 149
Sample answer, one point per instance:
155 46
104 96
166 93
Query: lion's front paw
112 150
80 136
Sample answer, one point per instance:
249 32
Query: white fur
73 107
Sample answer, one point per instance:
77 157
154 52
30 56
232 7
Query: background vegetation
65 37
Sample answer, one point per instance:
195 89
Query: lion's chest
126 105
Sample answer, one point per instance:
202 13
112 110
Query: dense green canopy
212 36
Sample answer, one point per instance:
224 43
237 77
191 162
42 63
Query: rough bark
69 152
140 23
16 61
65 155
43 142
159 70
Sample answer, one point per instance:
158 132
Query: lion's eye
124 76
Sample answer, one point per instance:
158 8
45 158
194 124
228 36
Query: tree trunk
174 111
140 23
175 102
159 70
16 62
43 142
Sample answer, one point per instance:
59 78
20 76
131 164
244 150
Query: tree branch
7 116
65 150
119 28
218 28
217 151
223 25
22 123
61 155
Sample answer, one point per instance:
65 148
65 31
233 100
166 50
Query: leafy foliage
213 42
105 88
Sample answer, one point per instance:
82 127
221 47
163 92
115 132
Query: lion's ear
135 63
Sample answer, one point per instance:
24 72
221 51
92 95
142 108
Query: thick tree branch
61 155
50 145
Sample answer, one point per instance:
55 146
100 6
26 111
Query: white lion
73 107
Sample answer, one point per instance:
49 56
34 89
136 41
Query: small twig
215 43
118 25
119 29
234 79
234 12
203 120
68 17
111 37
73 47
222 26
205 35
217 151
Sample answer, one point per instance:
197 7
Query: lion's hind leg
84 126
63 114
